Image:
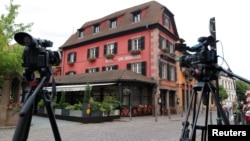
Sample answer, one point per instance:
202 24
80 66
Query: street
147 128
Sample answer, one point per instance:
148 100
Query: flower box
109 56
75 113
135 52
91 59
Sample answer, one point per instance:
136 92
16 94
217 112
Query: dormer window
113 23
166 21
96 28
80 33
136 17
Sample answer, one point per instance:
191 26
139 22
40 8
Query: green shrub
41 103
70 107
105 107
78 106
95 105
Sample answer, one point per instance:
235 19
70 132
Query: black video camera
35 55
202 54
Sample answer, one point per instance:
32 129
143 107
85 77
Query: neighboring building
229 84
138 39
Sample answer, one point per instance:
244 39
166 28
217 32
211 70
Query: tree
10 55
222 93
241 88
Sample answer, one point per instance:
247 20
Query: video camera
202 54
35 55
202 61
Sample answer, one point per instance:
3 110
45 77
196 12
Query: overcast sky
56 20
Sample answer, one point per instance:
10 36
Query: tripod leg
51 115
218 105
185 130
23 127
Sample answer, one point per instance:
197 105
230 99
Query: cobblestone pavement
147 128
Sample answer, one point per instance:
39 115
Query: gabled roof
153 15
103 77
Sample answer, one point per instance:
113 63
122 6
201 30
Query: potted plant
135 51
77 111
86 100
95 108
105 108
109 56
91 59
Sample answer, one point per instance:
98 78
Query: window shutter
142 42
169 72
160 69
97 52
128 66
160 42
68 57
105 50
143 71
88 53
129 45
115 48
74 56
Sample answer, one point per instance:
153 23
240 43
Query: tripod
25 117
206 88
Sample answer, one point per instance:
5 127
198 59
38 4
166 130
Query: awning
67 88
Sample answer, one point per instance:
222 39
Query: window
91 70
164 71
136 17
80 33
70 73
166 45
136 44
166 21
109 68
167 71
113 23
110 48
171 73
71 57
96 28
93 52
139 67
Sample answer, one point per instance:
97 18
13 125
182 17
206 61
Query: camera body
202 61
35 55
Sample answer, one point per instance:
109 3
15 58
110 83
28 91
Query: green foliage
62 100
70 107
95 105
223 93
87 94
78 106
105 107
11 57
41 103
241 88
112 101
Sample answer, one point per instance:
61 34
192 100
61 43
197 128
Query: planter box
40 110
75 113
96 114
65 112
58 111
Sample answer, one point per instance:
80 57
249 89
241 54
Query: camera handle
25 116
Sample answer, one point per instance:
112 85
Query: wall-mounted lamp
178 100
159 100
